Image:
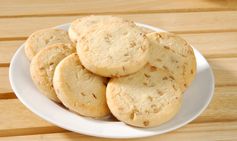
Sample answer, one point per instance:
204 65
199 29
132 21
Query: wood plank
225 72
222 108
59 7
221 131
177 22
16 119
211 45
4 81
7 50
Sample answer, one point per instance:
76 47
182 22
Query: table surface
209 25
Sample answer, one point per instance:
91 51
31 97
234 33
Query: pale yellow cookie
43 38
114 49
43 65
81 26
80 90
147 98
173 54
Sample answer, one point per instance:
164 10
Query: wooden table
209 25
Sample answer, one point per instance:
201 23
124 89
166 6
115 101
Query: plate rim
155 29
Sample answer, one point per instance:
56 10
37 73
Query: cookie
81 26
43 65
147 98
114 49
80 90
43 38
173 54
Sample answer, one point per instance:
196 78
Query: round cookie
173 54
81 26
147 98
43 65
114 49
43 38
80 90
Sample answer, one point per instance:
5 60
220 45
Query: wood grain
7 50
4 81
177 22
214 45
62 7
222 108
16 119
221 131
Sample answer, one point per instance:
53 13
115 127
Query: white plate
196 99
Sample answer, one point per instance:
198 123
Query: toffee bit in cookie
147 75
164 67
151 85
158 60
153 68
132 44
83 38
108 38
82 94
156 110
52 63
123 68
159 92
146 123
185 85
132 115
183 55
94 96
110 57
165 78
143 48
174 87
126 54
145 83
191 71
166 47
41 68
125 33
153 106
171 77
150 98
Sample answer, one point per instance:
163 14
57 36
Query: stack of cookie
106 64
